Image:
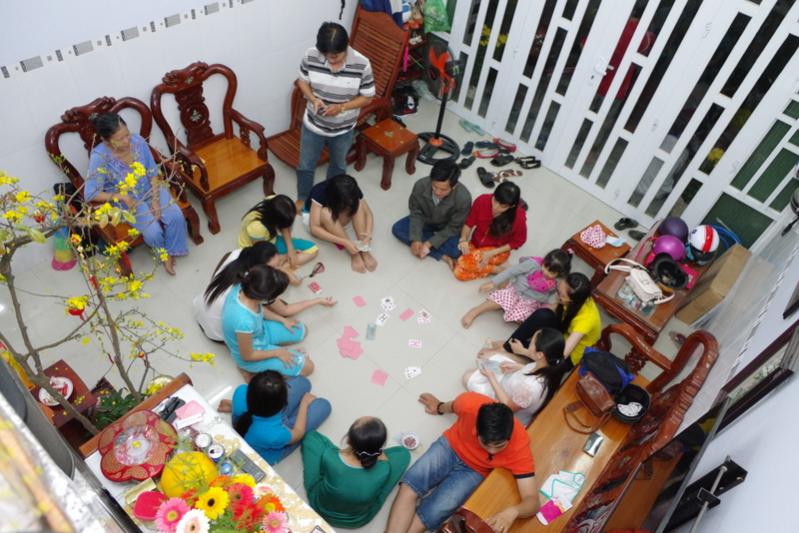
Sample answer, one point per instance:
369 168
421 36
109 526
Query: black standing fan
443 75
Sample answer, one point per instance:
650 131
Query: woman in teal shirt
348 487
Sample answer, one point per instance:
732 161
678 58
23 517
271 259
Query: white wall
763 441
262 41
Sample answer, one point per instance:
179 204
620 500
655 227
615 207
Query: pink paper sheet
359 301
379 377
408 313
349 332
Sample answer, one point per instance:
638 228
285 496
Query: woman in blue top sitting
122 171
273 413
254 337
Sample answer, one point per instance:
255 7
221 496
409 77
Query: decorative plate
136 447
62 385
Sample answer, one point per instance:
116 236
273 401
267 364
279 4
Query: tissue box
714 285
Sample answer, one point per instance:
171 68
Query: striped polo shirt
354 79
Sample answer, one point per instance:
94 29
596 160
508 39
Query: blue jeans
402 230
311 145
442 481
318 411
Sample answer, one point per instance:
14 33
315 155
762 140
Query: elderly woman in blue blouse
120 154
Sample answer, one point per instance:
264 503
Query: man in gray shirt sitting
439 207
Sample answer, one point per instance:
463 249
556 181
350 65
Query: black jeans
542 318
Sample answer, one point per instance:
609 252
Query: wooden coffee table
389 140
597 258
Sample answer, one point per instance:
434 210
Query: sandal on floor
636 235
486 177
507 145
509 173
470 126
528 162
677 338
502 160
487 153
486 144
466 162
625 223
467 148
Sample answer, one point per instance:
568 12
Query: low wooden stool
389 140
597 258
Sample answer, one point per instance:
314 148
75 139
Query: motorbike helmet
668 272
674 226
670 245
703 242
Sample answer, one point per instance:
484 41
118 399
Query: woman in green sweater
349 486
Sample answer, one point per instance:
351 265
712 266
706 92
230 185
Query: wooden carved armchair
215 163
650 434
77 120
376 36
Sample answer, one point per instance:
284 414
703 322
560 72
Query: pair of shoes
466 162
507 145
486 177
503 175
502 160
467 148
625 223
528 162
470 126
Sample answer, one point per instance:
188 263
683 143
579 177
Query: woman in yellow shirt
271 220
576 315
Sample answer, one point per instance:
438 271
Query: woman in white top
522 385
208 305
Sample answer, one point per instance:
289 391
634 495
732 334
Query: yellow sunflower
244 479
213 502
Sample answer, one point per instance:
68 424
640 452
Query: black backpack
610 370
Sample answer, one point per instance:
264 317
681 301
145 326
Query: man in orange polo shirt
485 436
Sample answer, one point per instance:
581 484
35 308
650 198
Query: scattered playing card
381 319
408 313
416 344
379 377
387 304
315 288
349 348
412 371
349 332
359 301
424 317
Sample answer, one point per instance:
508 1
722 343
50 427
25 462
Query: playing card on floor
424 317
315 288
412 371
416 344
387 304
381 319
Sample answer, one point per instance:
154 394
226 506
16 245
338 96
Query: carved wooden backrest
187 86
647 436
378 37
78 120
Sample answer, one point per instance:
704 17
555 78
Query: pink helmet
671 245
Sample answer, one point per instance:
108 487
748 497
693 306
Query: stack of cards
388 304
315 288
424 317
412 371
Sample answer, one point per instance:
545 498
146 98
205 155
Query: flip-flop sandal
502 160
528 163
486 144
467 148
636 235
509 173
486 177
466 162
507 145
488 153
470 126
625 223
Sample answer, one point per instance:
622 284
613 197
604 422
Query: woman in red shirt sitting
496 225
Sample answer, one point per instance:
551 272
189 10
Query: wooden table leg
388 169
360 151
410 161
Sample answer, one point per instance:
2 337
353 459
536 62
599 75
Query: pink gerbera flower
240 494
276 522
169 514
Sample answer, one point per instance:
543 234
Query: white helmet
703 241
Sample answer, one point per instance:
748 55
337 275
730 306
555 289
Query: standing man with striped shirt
337 81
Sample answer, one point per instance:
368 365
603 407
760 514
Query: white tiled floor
557 209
